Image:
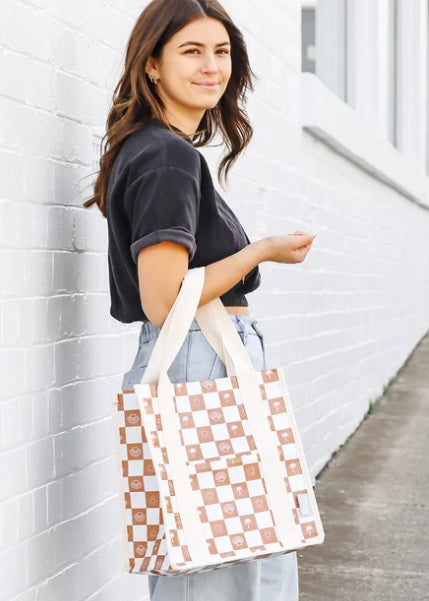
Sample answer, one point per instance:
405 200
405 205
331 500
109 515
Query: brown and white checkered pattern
224 471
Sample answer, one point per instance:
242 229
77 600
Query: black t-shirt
160 188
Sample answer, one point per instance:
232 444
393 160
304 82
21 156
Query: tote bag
211 473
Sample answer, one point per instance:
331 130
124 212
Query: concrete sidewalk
374 502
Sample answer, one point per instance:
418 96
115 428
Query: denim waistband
241 322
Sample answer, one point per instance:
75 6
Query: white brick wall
341 324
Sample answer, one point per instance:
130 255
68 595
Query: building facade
340 148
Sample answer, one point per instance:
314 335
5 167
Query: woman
186 72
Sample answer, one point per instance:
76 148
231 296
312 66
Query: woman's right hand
292 248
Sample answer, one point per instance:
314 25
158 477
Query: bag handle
214 322
216 325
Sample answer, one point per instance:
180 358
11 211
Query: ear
151 68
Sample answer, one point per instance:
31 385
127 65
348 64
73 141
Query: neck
187 124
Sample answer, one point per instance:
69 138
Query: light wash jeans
268 579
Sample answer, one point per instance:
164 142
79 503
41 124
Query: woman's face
200 53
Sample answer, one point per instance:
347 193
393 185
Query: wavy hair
135 99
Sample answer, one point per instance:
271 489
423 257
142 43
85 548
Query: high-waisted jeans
268 579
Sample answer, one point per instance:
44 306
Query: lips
208 84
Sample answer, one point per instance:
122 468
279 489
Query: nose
210 63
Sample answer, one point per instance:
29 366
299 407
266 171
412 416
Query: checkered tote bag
212 473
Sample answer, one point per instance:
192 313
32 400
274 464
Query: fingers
299 233
305 240
305 245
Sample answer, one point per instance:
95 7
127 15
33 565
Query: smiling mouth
207 85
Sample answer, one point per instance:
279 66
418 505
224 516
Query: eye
196 50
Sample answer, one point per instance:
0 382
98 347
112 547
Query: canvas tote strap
213 315
176 327
216 325
167 346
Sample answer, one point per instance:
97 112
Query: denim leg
235 583
268 579
279 578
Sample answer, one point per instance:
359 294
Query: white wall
412 78
341 324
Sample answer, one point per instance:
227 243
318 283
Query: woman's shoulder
155 147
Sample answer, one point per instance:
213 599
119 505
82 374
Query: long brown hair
135 100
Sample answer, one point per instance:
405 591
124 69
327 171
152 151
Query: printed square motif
138 516
240 490
205 434
197 402
135 451
208 385
180 388
309 529
252 471
135 483
224 447
226 398
194 452
221 477
259 503
218 528
249 522
238 541
132 418
277 405
229 509
285 436
209 496
152 498
293 467
187 420
148 468
235 429
216 416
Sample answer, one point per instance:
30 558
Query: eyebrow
199 44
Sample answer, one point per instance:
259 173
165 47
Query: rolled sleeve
163 204
173 234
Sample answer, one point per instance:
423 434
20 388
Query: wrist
264 249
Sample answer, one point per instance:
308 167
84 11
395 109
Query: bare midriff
234 310
239 310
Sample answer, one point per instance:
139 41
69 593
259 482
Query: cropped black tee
160 188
